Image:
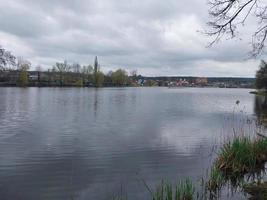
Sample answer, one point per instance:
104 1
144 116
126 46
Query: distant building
141 82
33 76
201 81
182 82
179 83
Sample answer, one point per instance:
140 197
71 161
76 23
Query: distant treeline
210 79
15 72
66 78
89 77
61 79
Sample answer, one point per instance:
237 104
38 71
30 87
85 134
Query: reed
184 190
237 158
256 190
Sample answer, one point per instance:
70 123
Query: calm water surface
64 143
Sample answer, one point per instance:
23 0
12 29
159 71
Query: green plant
23 78
237 156
78 83
184 190
216 179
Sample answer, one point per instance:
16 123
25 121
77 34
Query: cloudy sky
155 37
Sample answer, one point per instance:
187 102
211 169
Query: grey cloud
153 36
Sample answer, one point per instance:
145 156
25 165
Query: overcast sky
155 37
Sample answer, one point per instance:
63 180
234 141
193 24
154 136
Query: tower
96 65
95 71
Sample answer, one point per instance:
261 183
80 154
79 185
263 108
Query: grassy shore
256 190
242 155
184 190
258 92
237 160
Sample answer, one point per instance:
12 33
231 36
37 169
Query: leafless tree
227 16
133 73
23 65
7 60
76 68
87 69
87 72
109 74
39 69
63 67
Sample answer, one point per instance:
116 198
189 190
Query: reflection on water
59 143
95 102
260 109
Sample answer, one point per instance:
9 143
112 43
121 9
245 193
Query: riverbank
54 78
262 93
239 165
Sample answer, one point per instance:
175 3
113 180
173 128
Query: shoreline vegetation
88 76
259 92
118 78
240 164
138 81
15 72
237 165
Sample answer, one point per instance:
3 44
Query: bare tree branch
227 15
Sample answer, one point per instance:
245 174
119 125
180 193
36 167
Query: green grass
185 190
236 158
236 161
258 92
260 148
242 155
216 180
256 190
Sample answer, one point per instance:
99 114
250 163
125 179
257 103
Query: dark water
73 143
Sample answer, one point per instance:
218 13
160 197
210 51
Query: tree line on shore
261 76
15 71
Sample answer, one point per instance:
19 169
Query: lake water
72 143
